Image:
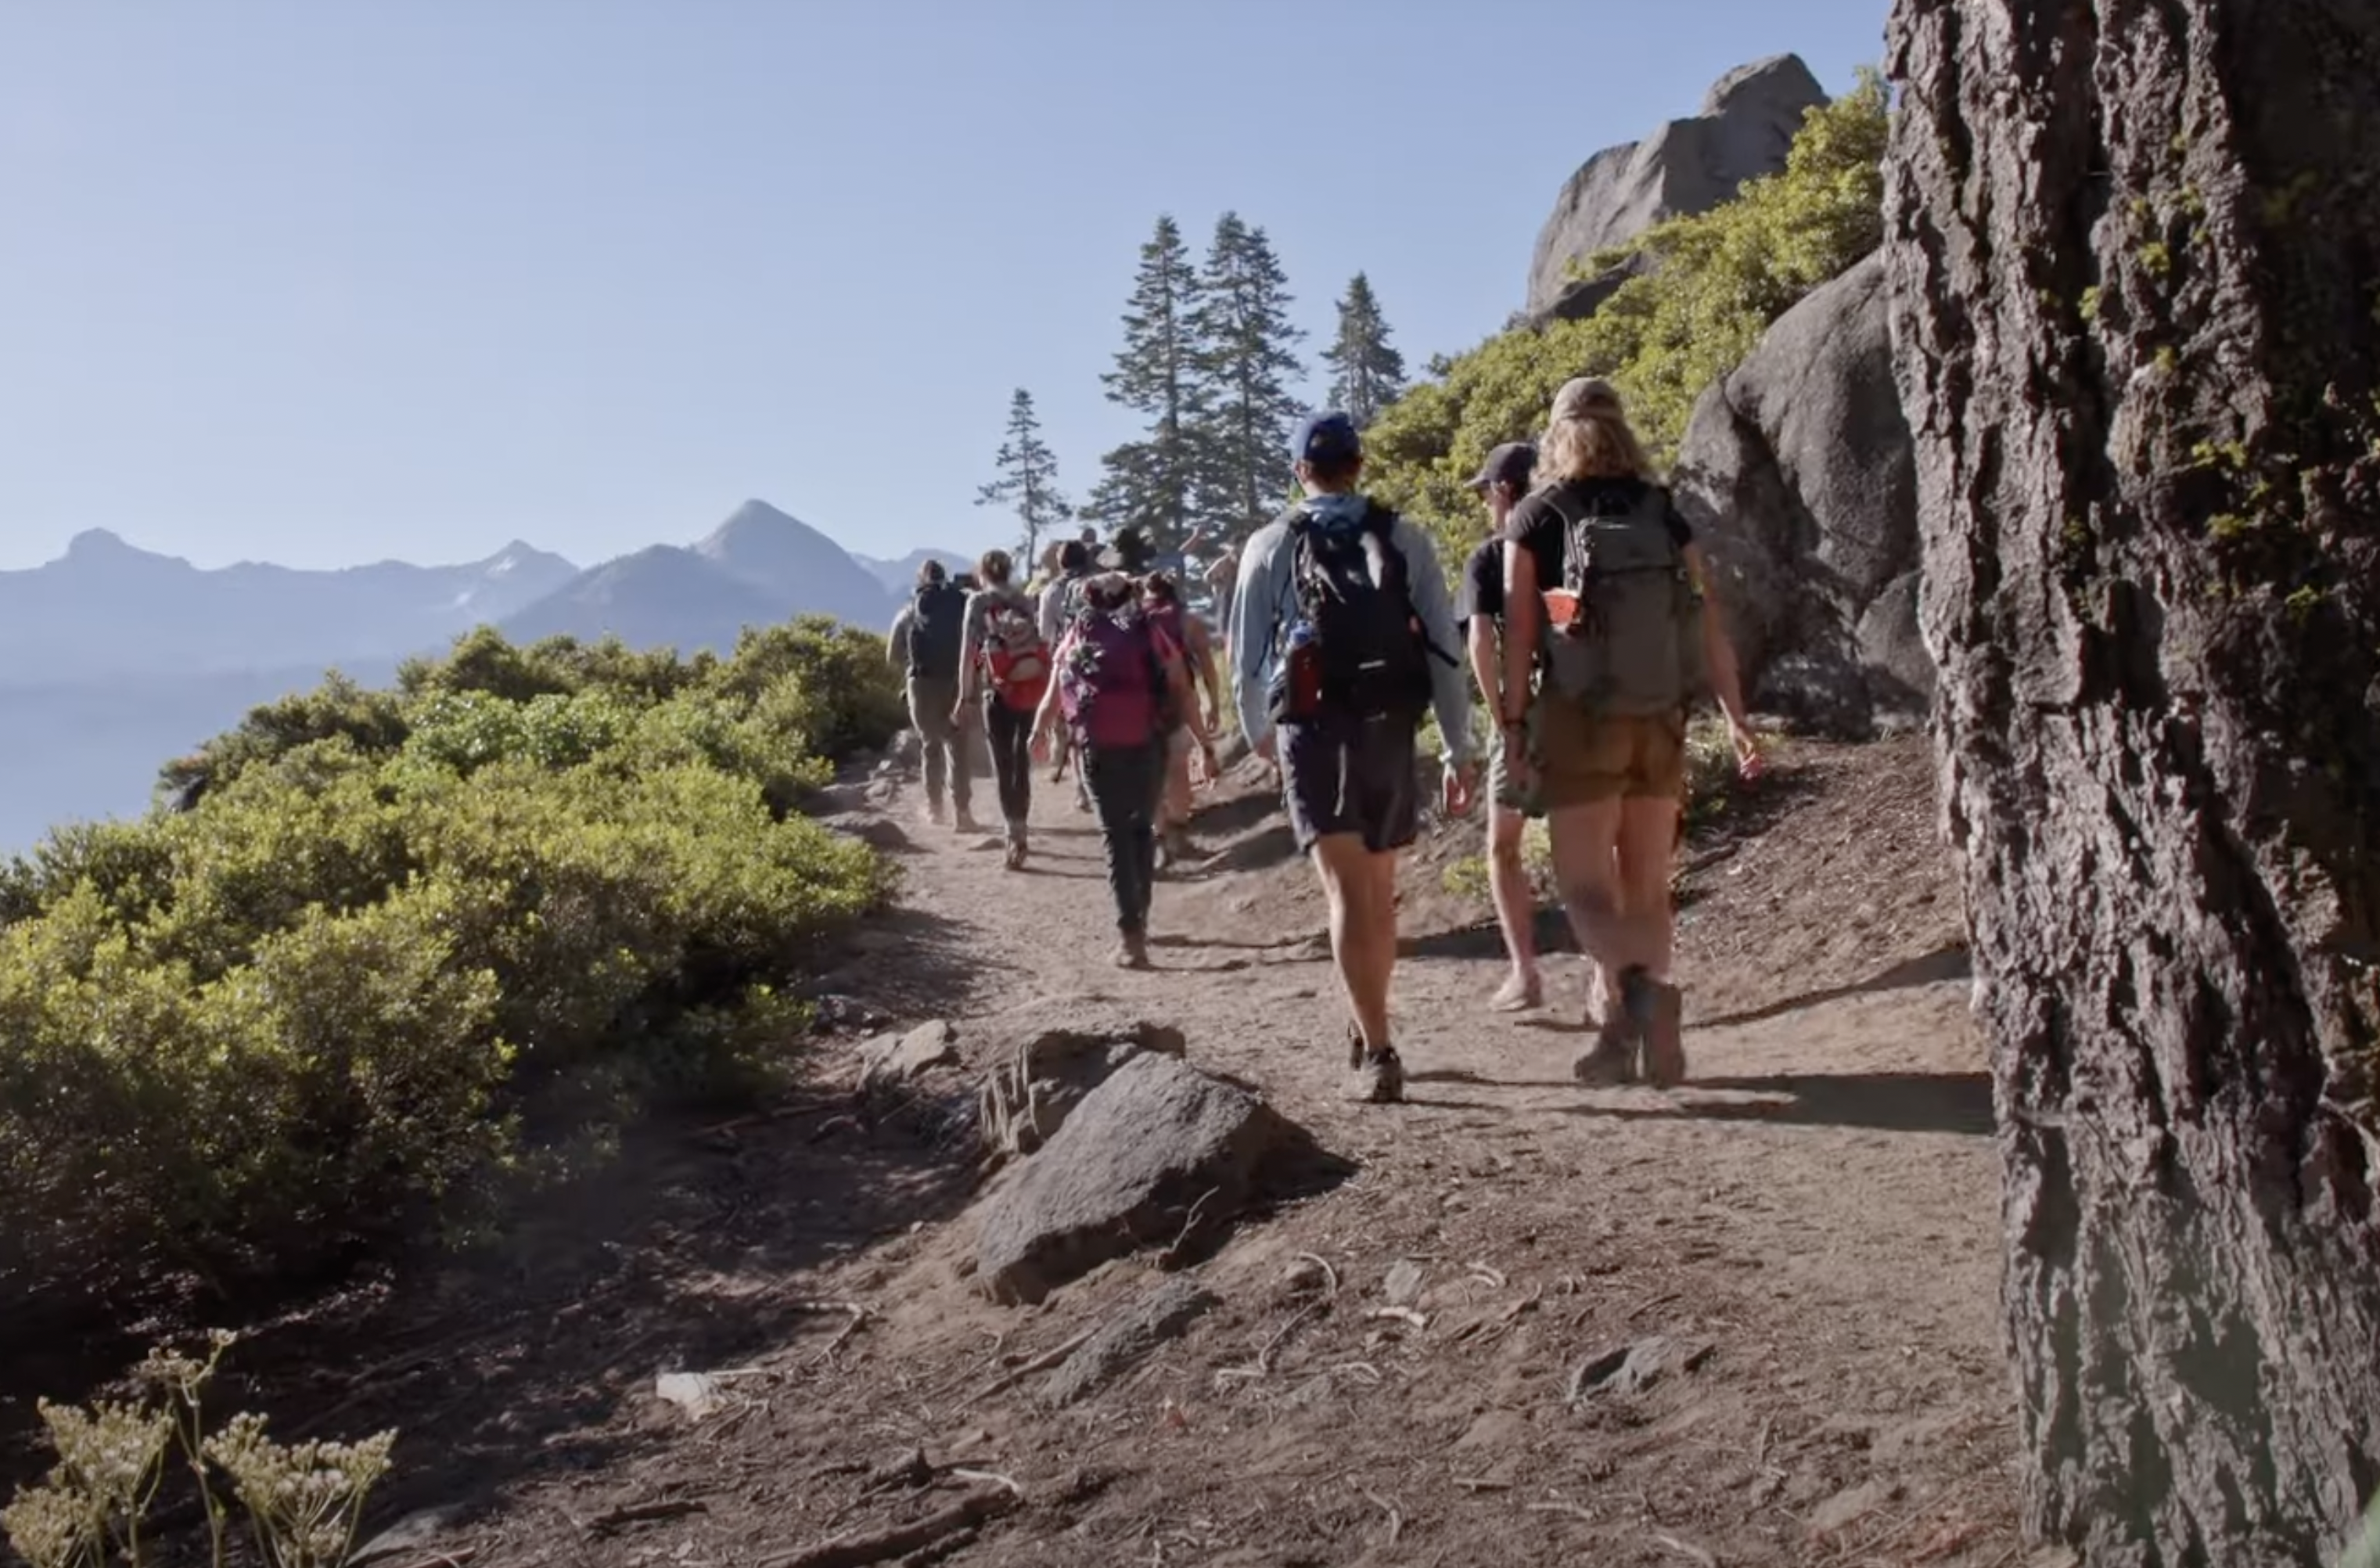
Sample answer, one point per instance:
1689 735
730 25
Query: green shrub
404 941
1720 279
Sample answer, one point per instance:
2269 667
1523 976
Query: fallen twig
899 1540
1400 1314
1165 1260
859 1316
1262 1367
989 1477
643 1514
1578 1510
1329 1275
1482 1485
454 1559
1041 1363
1686 1549
1396 1519
1492 1278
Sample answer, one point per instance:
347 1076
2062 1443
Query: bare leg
1360 889
1508 880
1587 869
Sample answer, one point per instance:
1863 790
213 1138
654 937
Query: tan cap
1581 394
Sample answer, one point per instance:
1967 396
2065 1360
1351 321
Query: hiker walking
1607 599
1342 638
926 640
1004 670
1501 481
1120 687
1058 603
1161 595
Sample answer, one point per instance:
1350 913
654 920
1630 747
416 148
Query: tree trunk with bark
2135 248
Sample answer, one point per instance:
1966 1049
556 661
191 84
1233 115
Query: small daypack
1016 657
1110 685
1357 646
1624 635
935 633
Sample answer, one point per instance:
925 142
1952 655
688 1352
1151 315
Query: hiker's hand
1270 748
1460 784
1214 769
1749 763
959 715
1517 762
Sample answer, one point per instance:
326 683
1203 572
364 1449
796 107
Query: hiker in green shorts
1608 603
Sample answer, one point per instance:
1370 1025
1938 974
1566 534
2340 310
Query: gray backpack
1634 646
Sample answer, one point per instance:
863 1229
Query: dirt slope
1814 1220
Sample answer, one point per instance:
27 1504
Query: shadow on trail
1960 1103
1939 967
1483 939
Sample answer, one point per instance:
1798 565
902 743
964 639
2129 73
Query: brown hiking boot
964 825
1380 1078
1132 953
1657 1010
1612 1060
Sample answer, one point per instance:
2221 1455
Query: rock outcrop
1747 123
1796 472
1157 1151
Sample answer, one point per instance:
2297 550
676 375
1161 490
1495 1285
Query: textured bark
2134 247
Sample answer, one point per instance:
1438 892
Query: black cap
1511 464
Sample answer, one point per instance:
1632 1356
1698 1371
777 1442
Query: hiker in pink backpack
1004 666
1120 687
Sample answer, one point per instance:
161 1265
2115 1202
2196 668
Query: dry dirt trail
1811 1225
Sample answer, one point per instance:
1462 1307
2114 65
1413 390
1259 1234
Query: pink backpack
1110 685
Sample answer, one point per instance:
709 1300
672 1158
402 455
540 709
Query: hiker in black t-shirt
927 640
1503 480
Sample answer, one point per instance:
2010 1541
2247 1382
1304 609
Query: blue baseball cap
1327 439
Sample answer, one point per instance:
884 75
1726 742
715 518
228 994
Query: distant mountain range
114 660
900 578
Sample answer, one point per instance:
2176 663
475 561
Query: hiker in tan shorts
1608 600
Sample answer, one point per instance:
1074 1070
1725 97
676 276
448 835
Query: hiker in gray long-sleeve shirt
1333 684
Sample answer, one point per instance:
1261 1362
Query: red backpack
1016 657
1113 686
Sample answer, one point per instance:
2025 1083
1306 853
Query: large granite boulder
1796 472
1747 123
1156 1150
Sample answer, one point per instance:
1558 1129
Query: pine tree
1367 374
1028 477
1152 483
1247 351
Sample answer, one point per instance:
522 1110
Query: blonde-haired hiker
1608 600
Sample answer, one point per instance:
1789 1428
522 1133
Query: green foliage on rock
400 931
1715 282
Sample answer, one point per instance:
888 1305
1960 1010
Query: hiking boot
1381 1077
1014 859
935 814
1612 1060
1658 1010
1132 953
964 825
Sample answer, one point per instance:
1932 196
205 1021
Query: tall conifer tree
1028 478
1367 374
1152 483
1248 350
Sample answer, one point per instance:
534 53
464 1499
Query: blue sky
331 281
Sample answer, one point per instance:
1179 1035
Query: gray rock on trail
1797 472
889 1060
1163 1314
878 832
1631 1369
1748 124
1157 1149
1040 1072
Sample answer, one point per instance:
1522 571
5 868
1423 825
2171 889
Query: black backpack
940 615
1358 649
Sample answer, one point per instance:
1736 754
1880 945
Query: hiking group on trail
1590 631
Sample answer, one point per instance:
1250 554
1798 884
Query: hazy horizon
327 285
